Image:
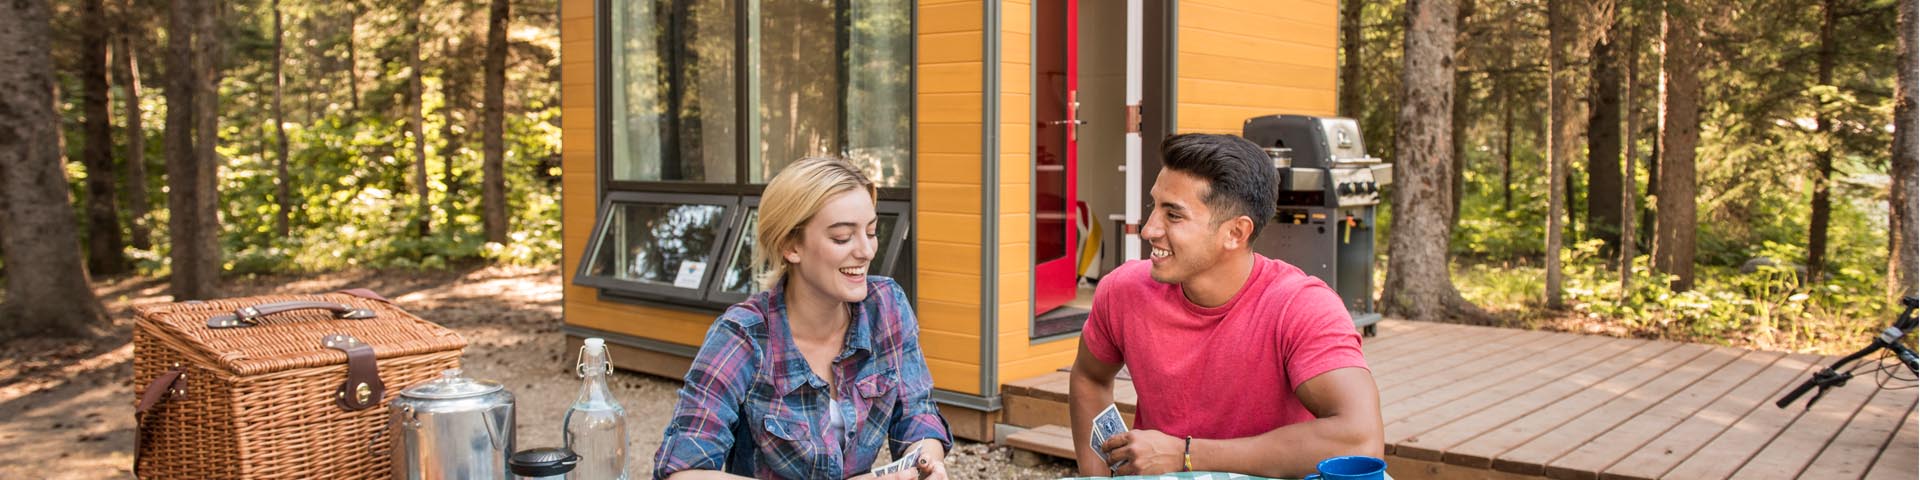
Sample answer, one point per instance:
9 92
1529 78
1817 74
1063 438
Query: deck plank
1897 461
1517 376
1413 334
1481 451
1531 458
1794 447
1409 418
1679 443
1853 450
1762 429
1396 386
1510 405
1445 368
1392 333
1425 338
1589 458
1445 353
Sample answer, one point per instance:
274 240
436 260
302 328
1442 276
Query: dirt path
68 405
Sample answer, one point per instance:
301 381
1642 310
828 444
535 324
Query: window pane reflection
673 91
855 103
655 243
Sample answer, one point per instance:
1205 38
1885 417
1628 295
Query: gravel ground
68 404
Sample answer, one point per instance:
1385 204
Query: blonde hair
791 200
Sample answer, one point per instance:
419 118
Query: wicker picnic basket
282 386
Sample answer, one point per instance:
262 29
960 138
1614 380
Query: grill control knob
1373 187
1345 188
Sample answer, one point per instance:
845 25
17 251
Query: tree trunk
1903 240
105 250
283 183
1560 39
1418 284
1603 148
136 160
1653 160
1676 223
1462 93
47 289
494 179
417 123
1823 158
453 91
1351 88
192 131
1629 243
353 56
1506 151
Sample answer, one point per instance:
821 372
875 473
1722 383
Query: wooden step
1051 440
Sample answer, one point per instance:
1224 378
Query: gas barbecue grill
1328 188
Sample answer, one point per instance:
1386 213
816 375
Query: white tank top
836 426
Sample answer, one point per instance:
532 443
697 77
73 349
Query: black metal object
1325 199
1889 339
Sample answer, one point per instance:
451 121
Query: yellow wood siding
1015 262
948 189
1239 59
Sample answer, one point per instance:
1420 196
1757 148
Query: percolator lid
451 384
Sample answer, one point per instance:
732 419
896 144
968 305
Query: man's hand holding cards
1105 426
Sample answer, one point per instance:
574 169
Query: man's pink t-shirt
1228 371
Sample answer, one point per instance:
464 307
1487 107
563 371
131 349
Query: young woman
812 376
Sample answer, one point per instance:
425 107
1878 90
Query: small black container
542 463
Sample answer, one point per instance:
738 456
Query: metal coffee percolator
452 427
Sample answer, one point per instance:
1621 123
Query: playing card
1105 425
904 462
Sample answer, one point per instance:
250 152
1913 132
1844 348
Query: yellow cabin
1002 133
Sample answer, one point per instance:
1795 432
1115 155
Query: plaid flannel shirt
751 406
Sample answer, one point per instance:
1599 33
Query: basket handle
170 383
250 316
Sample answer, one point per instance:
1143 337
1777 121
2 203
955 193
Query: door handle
1065 122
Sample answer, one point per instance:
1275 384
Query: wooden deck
1479 402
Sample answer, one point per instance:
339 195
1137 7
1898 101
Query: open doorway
1094 219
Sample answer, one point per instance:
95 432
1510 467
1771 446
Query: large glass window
821 77
673 91
712 98
879 90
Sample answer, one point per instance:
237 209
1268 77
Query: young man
1243 363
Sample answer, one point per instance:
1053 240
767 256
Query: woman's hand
932 464
933 460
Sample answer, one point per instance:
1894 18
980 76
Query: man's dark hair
1240 177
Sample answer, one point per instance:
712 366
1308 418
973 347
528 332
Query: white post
1134 68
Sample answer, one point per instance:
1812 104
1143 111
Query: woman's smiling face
835 248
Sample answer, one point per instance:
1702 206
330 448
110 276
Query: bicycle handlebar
1830 377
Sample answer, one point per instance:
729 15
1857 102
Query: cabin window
703 101
658 244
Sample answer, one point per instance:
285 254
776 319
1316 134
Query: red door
1056 258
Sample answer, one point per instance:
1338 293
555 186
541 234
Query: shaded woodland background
1725 172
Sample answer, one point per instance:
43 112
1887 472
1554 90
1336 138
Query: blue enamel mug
1350 468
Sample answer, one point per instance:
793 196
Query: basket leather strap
170 383
251 315
366 294
363 388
